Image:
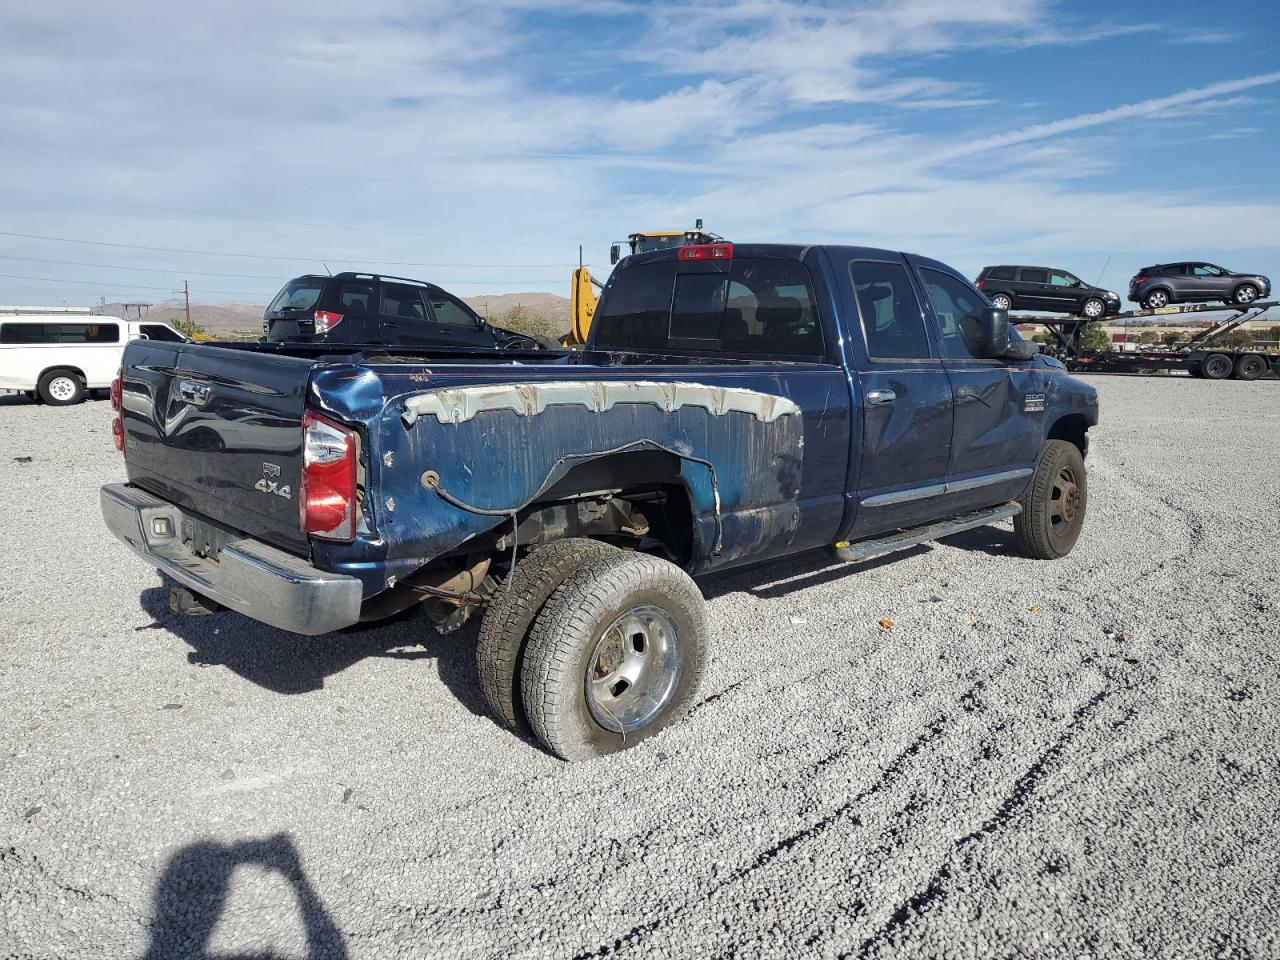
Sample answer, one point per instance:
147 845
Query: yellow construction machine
583 299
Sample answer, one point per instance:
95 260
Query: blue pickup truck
736 403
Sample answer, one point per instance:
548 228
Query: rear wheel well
67 368
635 499
1073 428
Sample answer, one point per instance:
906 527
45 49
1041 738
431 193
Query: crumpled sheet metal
459 404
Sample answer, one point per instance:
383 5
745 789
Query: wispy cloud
403 130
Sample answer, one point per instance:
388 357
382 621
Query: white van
59 358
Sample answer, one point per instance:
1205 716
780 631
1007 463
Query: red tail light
706 251
117 422
1140 278
327 503
326 321
978 283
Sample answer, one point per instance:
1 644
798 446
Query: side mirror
613 253
994 333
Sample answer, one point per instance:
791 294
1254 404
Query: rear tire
61 388
505 628
1156 299
1054 506
1002 302
1251 367
1216 366
615 656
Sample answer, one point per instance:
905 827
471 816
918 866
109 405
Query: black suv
1165 283
1044 288
369 308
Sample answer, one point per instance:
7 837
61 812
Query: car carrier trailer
1194 354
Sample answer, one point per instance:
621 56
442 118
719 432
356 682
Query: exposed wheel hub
633 670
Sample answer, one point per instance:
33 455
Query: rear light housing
117 412
1140 278
706 251
326 320
978 283
329 498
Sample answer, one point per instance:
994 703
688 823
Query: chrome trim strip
938 489
973 483
904 496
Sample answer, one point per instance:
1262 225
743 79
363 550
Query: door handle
881 396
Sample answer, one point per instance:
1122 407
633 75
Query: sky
478 147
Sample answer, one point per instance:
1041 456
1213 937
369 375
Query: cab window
449 311
958 308
757 308
158 331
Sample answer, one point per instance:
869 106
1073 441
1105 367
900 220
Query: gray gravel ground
1039 759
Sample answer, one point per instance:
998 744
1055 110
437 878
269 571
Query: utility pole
186 294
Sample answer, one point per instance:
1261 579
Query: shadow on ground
288 663
192 893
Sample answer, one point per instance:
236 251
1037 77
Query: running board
867 549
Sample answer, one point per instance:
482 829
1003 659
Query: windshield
300 294
645 244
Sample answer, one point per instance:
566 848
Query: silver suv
1193 282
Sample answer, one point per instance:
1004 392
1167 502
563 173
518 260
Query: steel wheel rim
1092 309
62 388
1217 366
1066 505
631 674
1002 302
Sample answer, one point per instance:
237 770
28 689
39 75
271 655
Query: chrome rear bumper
253 578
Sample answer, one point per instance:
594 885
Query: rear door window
1028 275
404 309
1000 273
892 319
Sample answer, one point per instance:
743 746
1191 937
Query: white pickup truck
59 358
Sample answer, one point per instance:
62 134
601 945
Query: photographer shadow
191 895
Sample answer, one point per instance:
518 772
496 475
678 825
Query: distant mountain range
243 321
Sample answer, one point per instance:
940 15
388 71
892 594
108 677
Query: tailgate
218 431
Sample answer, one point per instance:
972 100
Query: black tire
1251 366
586 627
1098 312
1054 506
1245 294
1216 366
1002 301
509 615
61 388
1157 298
